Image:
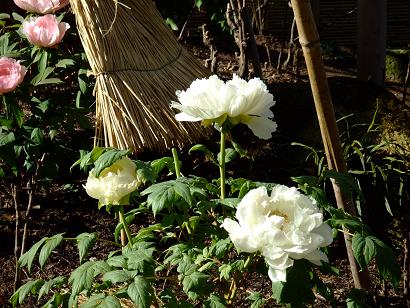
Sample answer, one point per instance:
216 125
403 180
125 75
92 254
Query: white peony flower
283 227
211 100
114 184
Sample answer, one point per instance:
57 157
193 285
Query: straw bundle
138 64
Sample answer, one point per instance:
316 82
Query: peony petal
277 275
262 127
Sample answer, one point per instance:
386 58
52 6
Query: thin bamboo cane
309 39
138 64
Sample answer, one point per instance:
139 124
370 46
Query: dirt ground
68 209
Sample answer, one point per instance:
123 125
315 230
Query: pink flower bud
11 74
44 31
41 6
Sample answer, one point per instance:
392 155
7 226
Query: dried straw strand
138 64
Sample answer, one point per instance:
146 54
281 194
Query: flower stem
222 164
176 162
124 223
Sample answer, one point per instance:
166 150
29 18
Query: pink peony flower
11 74
44 31
41 6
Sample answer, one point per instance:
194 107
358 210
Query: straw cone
138 64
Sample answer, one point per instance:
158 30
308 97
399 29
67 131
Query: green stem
222 164
176 163
124 224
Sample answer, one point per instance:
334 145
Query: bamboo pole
309 39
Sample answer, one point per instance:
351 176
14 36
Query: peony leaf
108 158
202 148
84 243
28 257
100 300
356 298
214 301
363 248
387 264
230 155
159 164
117 276
82 277
141 292
257 300
49 245
145 172
48 285
297 290
22 292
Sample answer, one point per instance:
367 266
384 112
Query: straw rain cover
138 64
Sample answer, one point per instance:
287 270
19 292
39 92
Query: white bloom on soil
283 227
212 100
114 183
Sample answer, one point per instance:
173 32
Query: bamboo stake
309 39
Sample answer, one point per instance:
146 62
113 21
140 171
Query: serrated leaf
141 292
202 148
20 295
159 164
49 245
145 172
257 300
82 277
214 301
117 276
387 263
100 300
84 243
27 258
193 280
163 195
230 155
297 290
48 285
89 158
65 62
363 248
108 158
356 299
117 261
225 271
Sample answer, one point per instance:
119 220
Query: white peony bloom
283 227
115 182
211 100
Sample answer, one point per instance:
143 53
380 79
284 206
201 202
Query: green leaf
48 285
198 4
193 281
171 23
363 248
225 271
117 276
4 16
48 81
117 261
7 138
22 292
65 62
28 257
108 158
100 300
137 259
165 194
89 158
37 135
387 263
49 245
82 277
202 148
214 301
356 298
145 172
141 292
297 290
257 300
230 155
42 64
17 17
84 243
346 182
159 164
13 110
